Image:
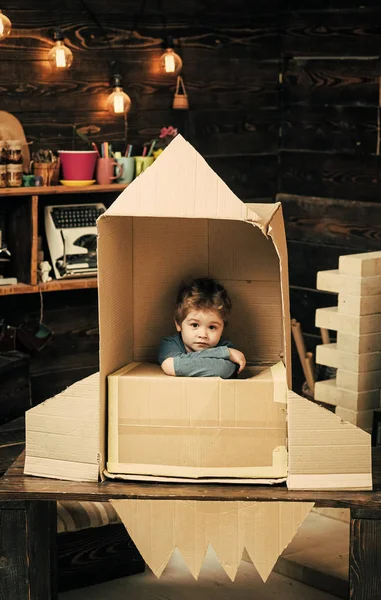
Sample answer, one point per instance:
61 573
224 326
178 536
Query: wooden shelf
23 231
55 285
62 189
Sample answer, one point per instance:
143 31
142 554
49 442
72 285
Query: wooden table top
17 486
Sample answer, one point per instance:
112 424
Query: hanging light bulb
118 102
60 56
170 62
5 26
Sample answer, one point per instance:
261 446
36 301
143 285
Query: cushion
75 515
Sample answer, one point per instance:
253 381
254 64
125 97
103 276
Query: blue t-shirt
212 362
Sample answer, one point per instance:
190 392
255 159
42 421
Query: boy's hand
236 356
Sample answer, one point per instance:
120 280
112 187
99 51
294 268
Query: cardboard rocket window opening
179 219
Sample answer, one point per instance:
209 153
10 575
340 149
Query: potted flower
167 134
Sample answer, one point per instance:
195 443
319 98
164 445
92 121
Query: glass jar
3 176
3 153
14 175
14 152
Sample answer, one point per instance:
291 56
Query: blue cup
128 173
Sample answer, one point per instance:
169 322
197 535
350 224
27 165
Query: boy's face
201 330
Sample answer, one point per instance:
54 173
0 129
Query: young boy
201 313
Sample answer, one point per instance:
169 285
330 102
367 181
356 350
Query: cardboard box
196 427
170 224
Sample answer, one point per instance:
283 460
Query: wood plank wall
329 179
231 59
284 99
230 54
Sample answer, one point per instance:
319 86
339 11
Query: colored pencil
95 148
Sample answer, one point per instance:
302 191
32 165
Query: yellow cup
141 164
157 153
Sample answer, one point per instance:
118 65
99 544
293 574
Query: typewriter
71 234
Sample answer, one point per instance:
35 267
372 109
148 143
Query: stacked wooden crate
357 354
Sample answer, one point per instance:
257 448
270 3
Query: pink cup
105 170
78 165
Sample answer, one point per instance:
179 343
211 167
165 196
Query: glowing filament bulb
118 103
60 58
5 26
169 63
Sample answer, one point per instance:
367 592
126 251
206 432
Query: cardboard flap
278 235
157 527
262 214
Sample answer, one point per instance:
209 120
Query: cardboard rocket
179 219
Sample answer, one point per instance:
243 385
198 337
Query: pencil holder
48 171
128 164
142 163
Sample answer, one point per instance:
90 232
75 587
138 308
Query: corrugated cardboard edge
53 426
278 235
61 469
113 416
269 218
202 480
325 453
157 527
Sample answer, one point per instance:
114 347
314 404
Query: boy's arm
213 362
169 347
199 364
168 366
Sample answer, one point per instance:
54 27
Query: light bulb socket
168 42
58 35
116 80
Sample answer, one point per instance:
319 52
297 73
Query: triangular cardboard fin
324 451
191 538
219 523
157 527
268 527
62 434
150 524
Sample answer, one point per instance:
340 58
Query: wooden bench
92 545
28 519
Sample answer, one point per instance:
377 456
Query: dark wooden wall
284 100
329 179
230 55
